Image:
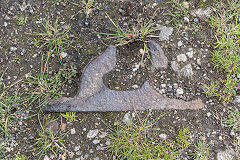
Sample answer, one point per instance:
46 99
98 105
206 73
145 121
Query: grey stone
127 119
92 133
228 154
86 156
71 154
202 13
95 141
96 158
237 99
187 71
108 142
165 33
175 66
23 6
103 135
159 60
181 58
7 18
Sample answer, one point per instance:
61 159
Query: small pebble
163 136
90 151
135 86
186 19
108 142
181 58
179 91
73 131
12 49
46 158
196 20
95 141
180 43
76 148
92 133
64 54
127 119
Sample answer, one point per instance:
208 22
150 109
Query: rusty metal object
94 96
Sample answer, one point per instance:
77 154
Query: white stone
163 136
179 92
179 43
228 154
202 13
46 158
92 133
163 85
135 86
237 99
190 54
136 67
95 141
5 24
186 19
73 131
181 58
64 54
199 61
187 71
12 49
209 114
76 148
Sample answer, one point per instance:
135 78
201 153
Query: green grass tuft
47 140
201 151
70 116
138 33
54 38
233 120
226 54
179 11
183 138
86 6
135 142
9 111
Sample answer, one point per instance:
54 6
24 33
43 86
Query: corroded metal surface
94 96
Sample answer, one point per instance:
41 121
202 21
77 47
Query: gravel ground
187 47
